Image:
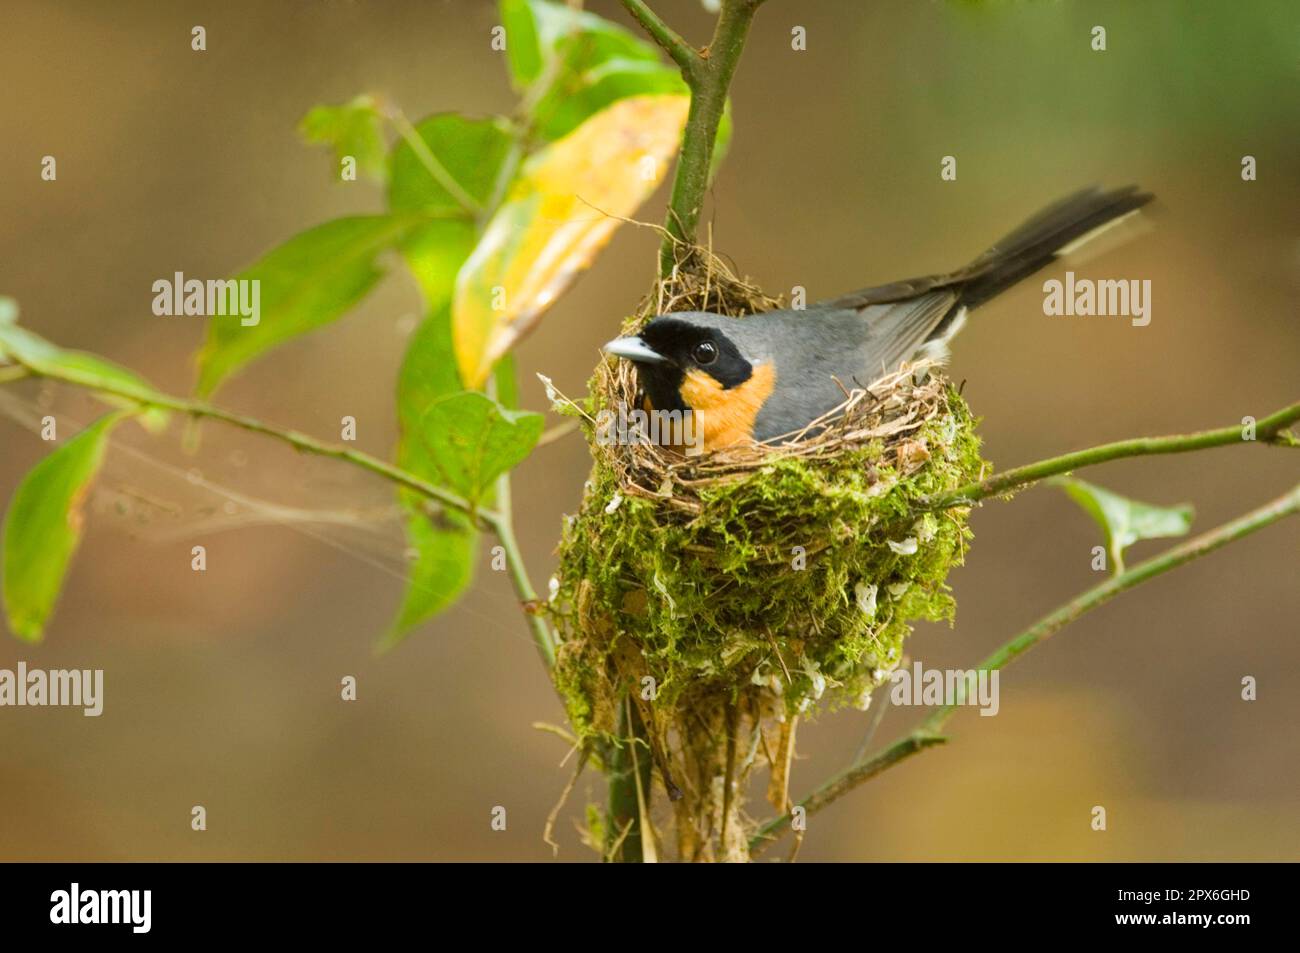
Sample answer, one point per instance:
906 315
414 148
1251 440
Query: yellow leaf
560 212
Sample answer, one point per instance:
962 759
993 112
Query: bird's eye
706 352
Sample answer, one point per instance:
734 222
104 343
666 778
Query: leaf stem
1270 430
928 733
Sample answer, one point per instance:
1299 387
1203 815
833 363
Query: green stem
1270 430
299 441
682 53
928 733
497 521
623 816
708 75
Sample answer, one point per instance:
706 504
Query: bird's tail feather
1061 226
1045 237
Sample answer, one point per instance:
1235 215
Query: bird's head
695 361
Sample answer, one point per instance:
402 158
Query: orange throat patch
726 415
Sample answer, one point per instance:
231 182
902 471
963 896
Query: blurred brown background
222 688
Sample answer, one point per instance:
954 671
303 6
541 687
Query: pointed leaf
43 527
563 208
305 283
1125 521
443 546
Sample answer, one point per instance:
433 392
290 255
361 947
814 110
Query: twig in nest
549 829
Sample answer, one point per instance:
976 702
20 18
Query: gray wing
896 331
853 347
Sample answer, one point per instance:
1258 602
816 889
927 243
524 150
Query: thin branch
12 372
296 439
505 533
1270 430
928 733
682 53
497 521
708 76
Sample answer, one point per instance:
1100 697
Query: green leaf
537 31
544 233
43 357
95 373
444 546
472 440
587 92
428 373
469 151
434 253
1125 521
523 49
427 376
354 129
444 543
305 283
506 381
593 63
43 526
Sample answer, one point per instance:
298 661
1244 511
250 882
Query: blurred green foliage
443 177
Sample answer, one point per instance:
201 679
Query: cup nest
725 594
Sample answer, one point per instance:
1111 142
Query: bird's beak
634 349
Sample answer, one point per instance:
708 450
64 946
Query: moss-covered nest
753 584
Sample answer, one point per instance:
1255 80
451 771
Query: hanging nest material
728 593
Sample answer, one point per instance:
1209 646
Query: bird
769 375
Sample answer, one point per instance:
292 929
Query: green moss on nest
792 581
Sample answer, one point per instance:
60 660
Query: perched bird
771 374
